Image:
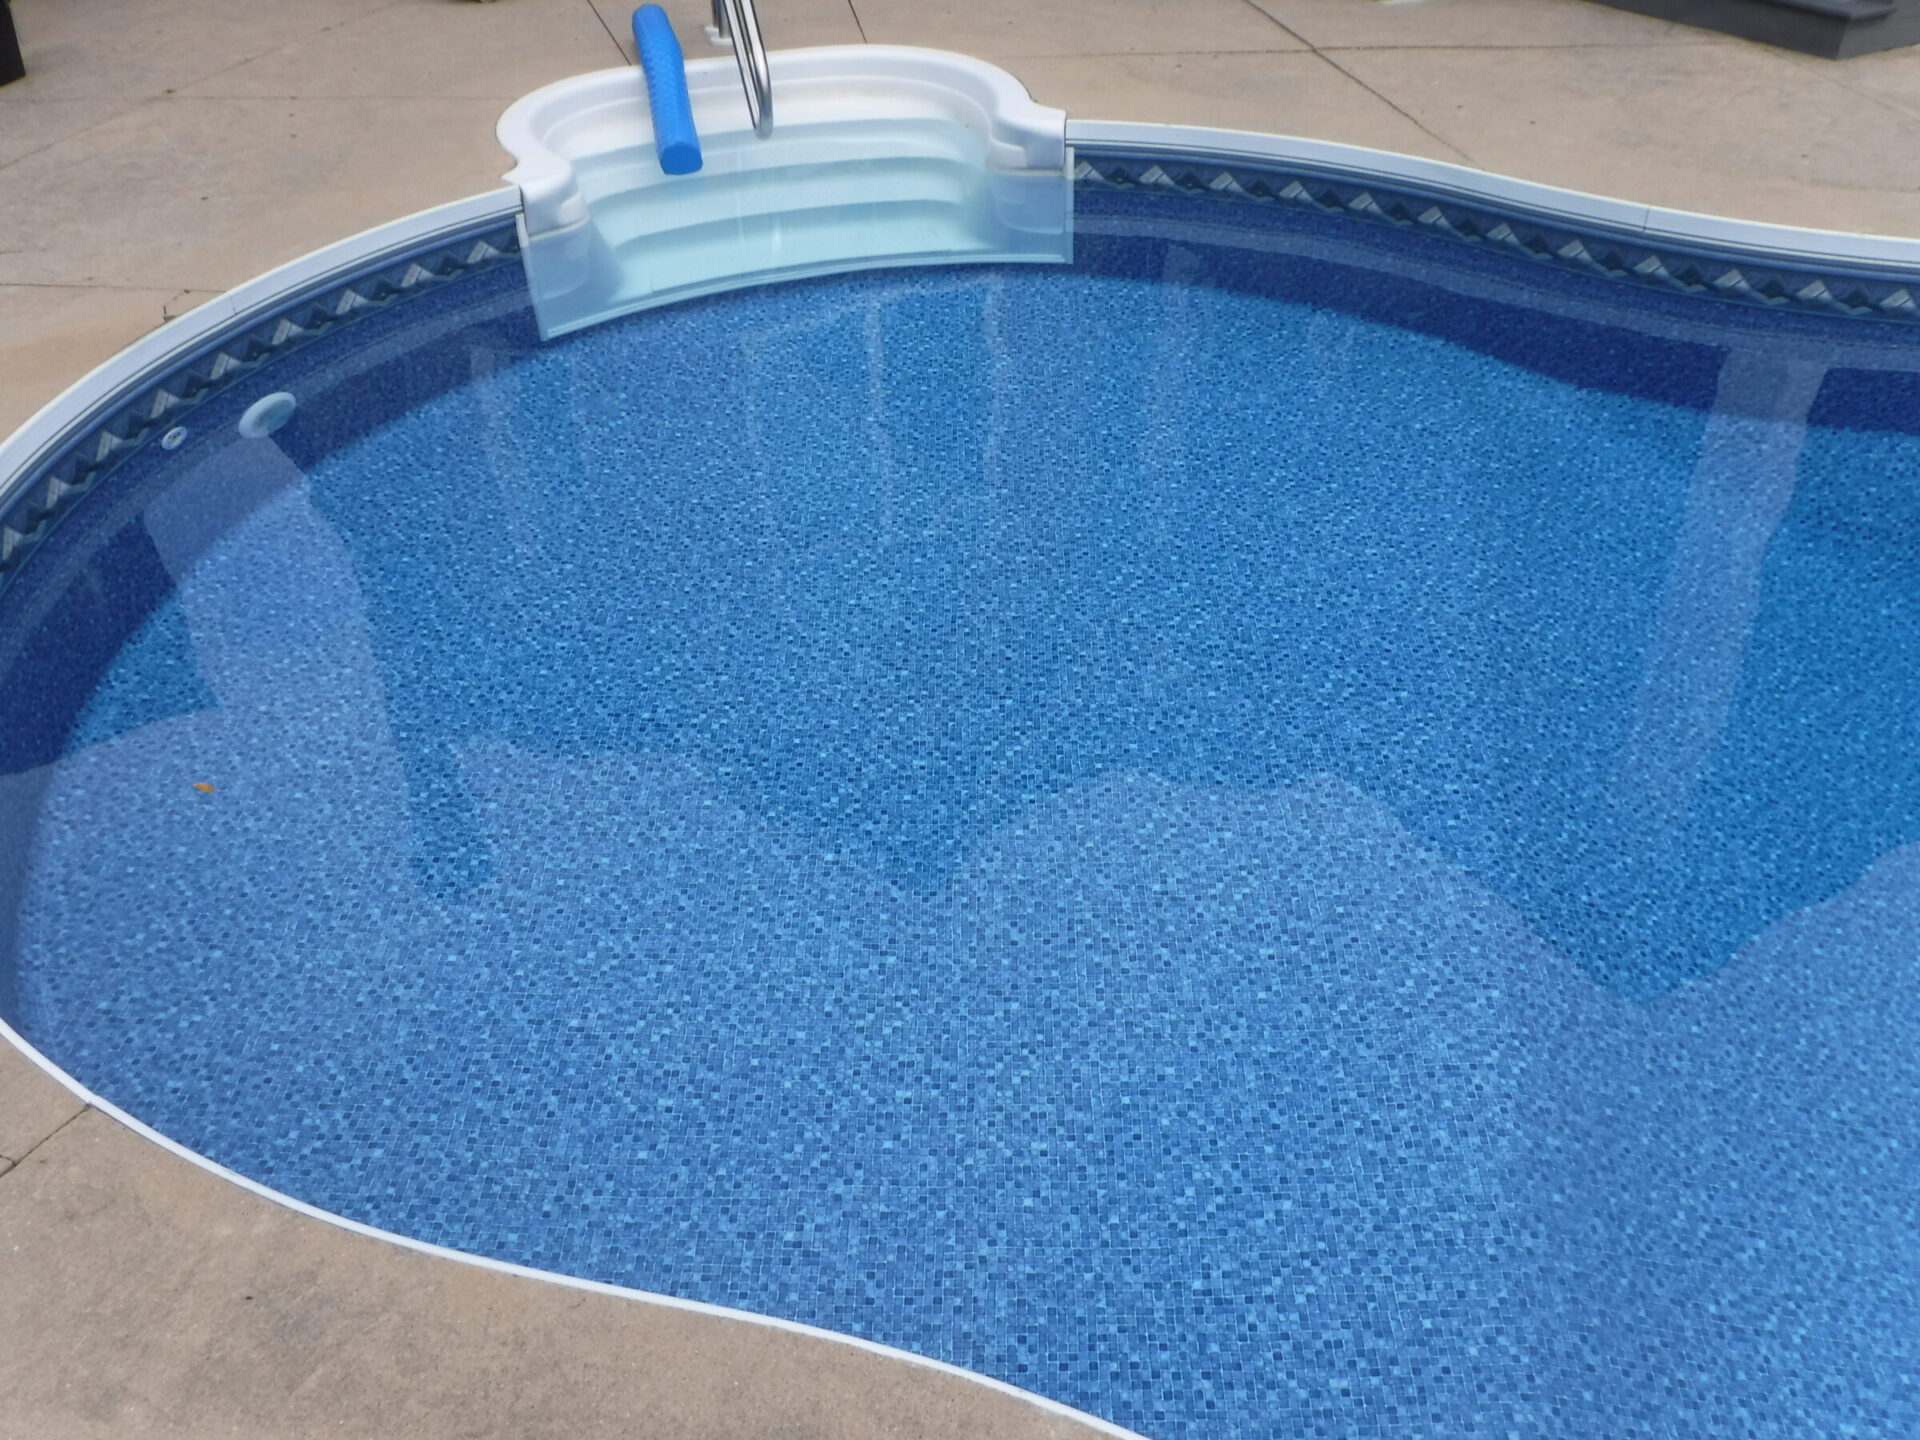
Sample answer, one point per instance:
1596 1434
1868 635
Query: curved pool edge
1577 209
26 456
115 408
1053 1419
1891 260
83 411
204 325
81 434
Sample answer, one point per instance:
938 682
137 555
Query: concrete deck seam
594 10
502 99
167 312
19 1160
1138 54
1726 43
1386 100
1277 23
74 135
171 97
1397 108
275 49
1832 74
858 24
178 290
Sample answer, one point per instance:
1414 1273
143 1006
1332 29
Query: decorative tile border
158 404
1623 256
1604 242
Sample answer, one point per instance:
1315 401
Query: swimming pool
1300 828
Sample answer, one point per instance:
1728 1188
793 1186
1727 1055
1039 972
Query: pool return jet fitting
638 194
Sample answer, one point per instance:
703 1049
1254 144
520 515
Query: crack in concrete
595 9
1384 99
8 1166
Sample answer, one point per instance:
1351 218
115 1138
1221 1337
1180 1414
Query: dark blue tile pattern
1781 281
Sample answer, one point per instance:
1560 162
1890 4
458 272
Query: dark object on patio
1836 29
12 67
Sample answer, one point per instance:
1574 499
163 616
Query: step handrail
736 21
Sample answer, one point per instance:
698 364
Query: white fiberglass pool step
882 155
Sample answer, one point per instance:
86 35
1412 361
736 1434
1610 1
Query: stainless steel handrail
735 20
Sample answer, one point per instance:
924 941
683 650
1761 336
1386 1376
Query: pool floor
1252 870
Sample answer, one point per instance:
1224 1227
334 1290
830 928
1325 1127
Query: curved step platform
884 155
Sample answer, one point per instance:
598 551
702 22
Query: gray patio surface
161 151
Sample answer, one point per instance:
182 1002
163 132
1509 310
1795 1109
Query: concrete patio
161 151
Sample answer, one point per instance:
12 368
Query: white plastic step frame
883 155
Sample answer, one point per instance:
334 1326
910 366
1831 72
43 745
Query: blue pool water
1281 834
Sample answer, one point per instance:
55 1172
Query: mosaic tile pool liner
1286 1108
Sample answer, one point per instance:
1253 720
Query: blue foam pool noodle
666 70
